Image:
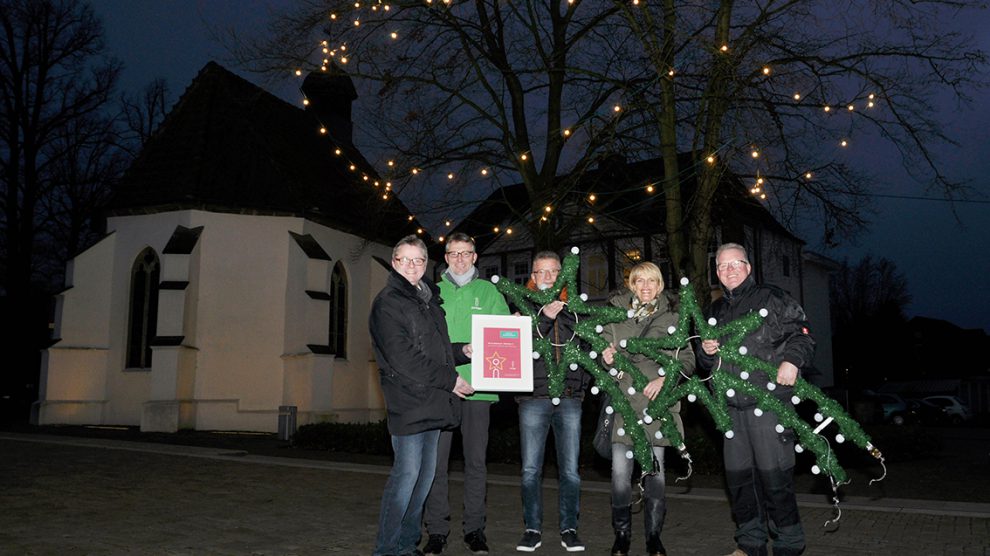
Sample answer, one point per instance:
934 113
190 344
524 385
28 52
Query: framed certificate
502 359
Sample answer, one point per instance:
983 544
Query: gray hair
546 255
460 236
411 239
727 246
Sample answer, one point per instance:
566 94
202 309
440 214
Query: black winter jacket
783 336
416 360
559 331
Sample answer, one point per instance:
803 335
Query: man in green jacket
464 294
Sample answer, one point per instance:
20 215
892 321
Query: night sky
940 247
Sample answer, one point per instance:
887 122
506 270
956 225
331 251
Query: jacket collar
748 284
624 299
400 283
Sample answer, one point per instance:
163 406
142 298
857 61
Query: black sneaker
530 541
570 541
475 542
435 545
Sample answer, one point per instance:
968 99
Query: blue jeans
536 417
405 492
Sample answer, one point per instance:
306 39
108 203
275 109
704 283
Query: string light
755 153
591 220
323 131
850 107
649 188
617 108
711 159
567 133
484 171
305 102
766 70
725 48
547 209
592 197
827 108
450 176
807 175
844 143
797 96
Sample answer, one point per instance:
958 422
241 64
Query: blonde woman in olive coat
652 315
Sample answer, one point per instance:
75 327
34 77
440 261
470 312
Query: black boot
622 524
654 511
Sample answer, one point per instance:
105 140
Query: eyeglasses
404 261
734 265
551 272
459 254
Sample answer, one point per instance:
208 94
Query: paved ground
62 495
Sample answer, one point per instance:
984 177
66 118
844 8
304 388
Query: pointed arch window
338 311
143 316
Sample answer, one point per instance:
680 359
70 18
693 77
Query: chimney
330 94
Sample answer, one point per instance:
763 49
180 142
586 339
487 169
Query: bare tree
868 301
54 85
142 112
537 92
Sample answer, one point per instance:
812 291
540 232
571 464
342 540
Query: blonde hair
646 270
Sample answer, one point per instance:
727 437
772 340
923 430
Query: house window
143 316
338 311
520 271
786 266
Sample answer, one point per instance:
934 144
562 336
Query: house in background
626 226
237 272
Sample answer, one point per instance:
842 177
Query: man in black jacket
759 461
416 365
538 413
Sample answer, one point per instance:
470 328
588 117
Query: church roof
229 146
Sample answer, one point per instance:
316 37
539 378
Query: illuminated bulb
385 196
755 154
323 130
446 223
711 159
508 231
523 156
450 176
357 22
711 321
567 133
758 412
609 410
828 108
763 196
670 73
298 72
333 16
685 281
743 350
365 178
495 229
730 393
795 400
305 102
415 171
592 197
818 417
744 375
352 167
725 48
394 35
729 434
547 208
649 189
326 50
573 366
543 219
766 71
779 428
797 96
595 390
411 218
484 171
599 329
343 59
591 220
440 239
764 313
850 107
759 181
871 97
807 175
391 163
844 143
869 104
336 152
343 47
388 185
616 108
419 230
815 469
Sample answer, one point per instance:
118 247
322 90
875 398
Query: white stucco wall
245 320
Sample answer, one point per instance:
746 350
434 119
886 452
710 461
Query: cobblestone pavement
64 495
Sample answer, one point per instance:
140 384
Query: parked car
956 410
894 408
926 413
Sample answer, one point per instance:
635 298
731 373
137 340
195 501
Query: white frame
524 325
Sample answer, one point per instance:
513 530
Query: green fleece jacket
477 297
